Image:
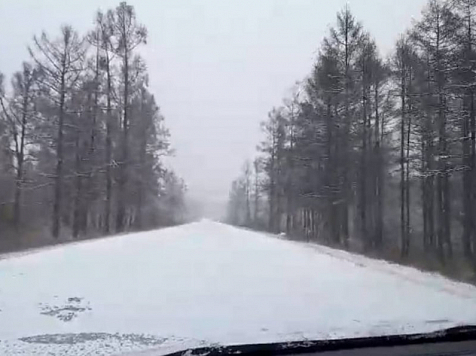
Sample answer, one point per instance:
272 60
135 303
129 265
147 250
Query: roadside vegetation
373 154
82 138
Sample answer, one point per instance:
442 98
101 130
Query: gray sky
216 66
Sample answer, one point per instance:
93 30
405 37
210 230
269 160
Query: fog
216 67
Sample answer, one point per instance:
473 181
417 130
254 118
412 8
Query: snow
208 283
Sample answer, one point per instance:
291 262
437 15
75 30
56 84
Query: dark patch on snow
68 311
72 339
75 300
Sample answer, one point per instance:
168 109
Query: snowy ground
208 283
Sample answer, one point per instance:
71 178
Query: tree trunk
256 194
404 252
21 159
363 177
78 187
407 177
122 186
378 238
108 201
142 158
467 236
344 205
59 157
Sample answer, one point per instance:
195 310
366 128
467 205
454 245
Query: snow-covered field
208 283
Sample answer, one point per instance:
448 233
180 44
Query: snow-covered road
206 283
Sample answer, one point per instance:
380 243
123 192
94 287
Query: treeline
373 154
82 138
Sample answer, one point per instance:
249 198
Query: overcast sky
216 66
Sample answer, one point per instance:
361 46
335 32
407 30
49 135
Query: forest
374 153
82 138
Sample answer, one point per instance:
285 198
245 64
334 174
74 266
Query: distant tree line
377 154
82 137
